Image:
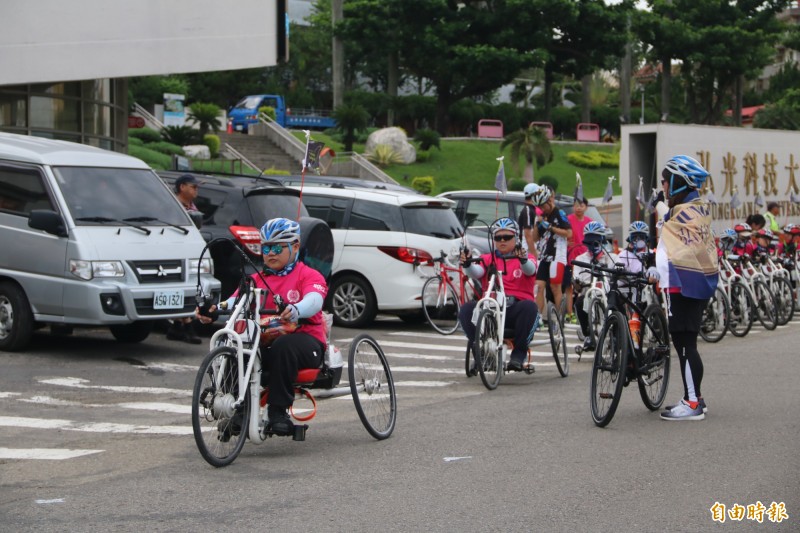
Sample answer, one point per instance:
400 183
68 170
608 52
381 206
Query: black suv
235 207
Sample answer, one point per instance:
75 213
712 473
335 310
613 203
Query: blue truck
245 113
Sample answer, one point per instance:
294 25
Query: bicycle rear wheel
220 430
715 317
765 305
486 349
608 370
558 342
597 315
372 386
784 300
741 316
653 376
440 305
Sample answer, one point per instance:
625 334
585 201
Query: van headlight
96 269
206 266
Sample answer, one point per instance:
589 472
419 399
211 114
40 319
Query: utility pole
337 15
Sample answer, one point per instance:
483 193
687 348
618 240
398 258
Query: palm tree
206 115
349 119
531 143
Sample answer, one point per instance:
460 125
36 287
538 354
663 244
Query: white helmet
530 189
541 196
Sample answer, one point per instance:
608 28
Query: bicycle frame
496 303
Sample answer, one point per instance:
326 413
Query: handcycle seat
307 376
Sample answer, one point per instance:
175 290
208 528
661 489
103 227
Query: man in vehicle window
551 235
183 329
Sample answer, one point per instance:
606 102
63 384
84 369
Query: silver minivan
90 237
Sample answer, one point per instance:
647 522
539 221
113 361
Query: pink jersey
292 288
516 283
575 246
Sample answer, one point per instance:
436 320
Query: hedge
423 184
148 135
156 160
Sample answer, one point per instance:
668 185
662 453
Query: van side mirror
47 220
197 218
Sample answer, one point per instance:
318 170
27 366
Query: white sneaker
683 411
702 406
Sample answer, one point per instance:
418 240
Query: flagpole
303 174
500 185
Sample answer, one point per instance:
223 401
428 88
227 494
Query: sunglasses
498 238
276 249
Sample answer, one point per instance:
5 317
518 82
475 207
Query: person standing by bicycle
688 267
551 235
593 236
519 273
527 217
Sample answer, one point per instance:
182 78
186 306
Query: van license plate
168 300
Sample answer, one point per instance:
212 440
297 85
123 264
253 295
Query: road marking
451 459
55 454
397 344
9 394
146 406
54 500
98 427
169 367
79 383
415 334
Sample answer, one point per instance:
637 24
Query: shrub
549 181
181 135
136 141
423 184
384 155
516 184
206 116
148 135
593 159
165 148
267 110
427 138
423 156
156 160
565 120
213 143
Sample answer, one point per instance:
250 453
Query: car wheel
16 318
352 302
133 332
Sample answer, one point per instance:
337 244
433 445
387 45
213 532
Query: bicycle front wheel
597 315
608 370
440 305
557 341
741 316
372 386
784 300
486 349
715 317
765 305
220 429
653 376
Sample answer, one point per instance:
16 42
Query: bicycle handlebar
616 271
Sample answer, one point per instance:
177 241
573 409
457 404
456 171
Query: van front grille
168 271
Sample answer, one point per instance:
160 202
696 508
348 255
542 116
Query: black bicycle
623 355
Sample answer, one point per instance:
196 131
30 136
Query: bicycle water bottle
635 326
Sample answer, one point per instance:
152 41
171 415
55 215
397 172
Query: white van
90 237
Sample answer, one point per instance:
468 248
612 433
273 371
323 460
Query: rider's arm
529 266
475 270
310 305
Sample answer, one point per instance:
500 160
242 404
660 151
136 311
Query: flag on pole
311 159
794 197
640 194
651 204
759 201
609 194
735 202
500 179
578 187
710 198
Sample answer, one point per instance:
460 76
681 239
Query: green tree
206 116
350 118
782 115
530 143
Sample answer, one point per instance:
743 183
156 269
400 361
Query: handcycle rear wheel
372 386
654 366
713 324
440 305
557 341
219 430
486 349
608 369
741 316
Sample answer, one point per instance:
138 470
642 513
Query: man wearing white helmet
551 235
527 217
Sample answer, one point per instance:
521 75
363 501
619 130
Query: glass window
97 90
69 88
12 110
249 102
432 221
484 212
331 210
374 216
133 195
96 120
22 189
55 113
59 136
266 205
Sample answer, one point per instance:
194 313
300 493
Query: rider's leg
583 316
685 316
556 278
465 319
284 358
522 316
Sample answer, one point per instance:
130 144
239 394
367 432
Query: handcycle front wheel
486 349
372 386
220 430
653 378
557 341
608 369
440 305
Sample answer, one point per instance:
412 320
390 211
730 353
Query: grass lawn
471 164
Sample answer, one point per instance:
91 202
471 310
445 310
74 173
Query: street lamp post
641 118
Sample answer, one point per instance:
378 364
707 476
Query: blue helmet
594 233
280 230
728 235
504 223
638 227
684 172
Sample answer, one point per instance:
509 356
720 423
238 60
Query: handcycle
623 355
228 400
444 293
491 350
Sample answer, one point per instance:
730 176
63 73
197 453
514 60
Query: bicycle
490 350
765 307
442 298
228 401
778 281
622 356
595 303
714 321
740 318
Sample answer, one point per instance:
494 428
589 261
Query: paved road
113 422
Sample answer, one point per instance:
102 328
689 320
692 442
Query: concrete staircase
261 151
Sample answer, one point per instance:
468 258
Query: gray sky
299 9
